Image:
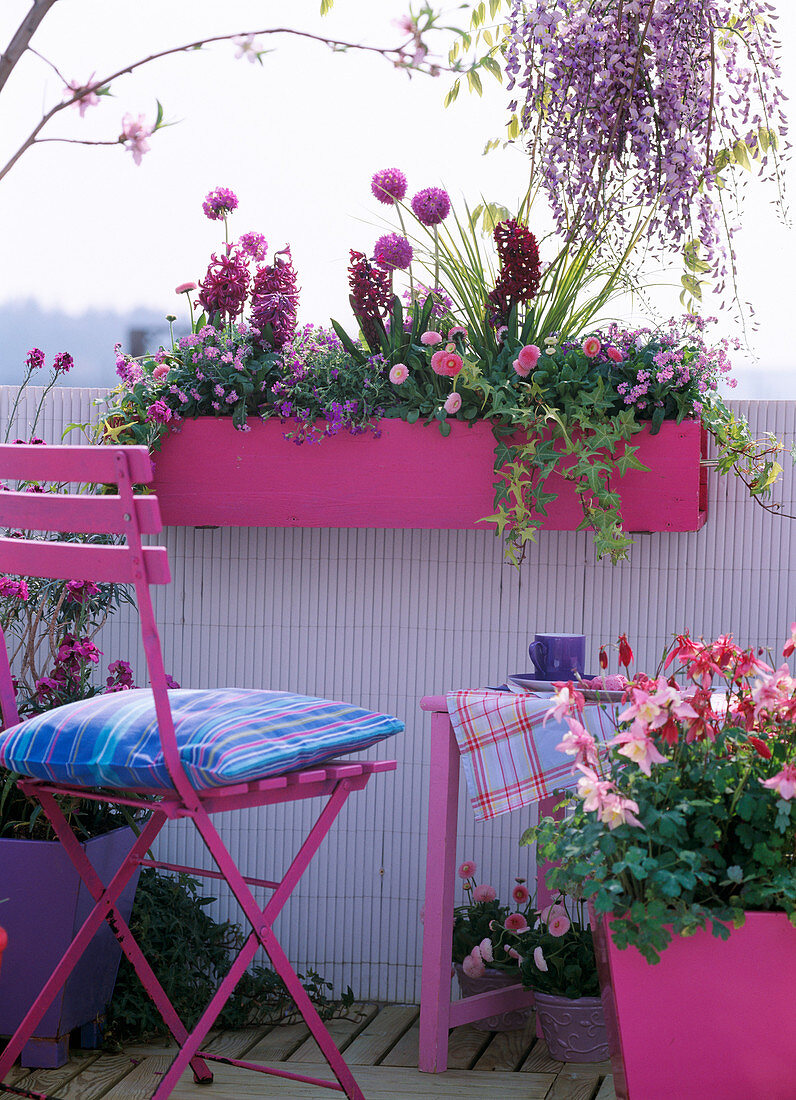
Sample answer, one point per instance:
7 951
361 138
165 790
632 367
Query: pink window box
209 474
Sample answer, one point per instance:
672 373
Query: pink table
438 1014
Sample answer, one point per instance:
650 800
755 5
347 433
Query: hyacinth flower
275 298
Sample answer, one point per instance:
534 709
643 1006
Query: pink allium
218 203
134 136
784 782
89 99
591 347
473 966
431 205
446 363
185 288
615 354
453 402
528 357
485 950
430 338
392 251
389 185
515 922
160 371
466 869
539 960
225 285
398 374
254 245
275 297
484 893
520 894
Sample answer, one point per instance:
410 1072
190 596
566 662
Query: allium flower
591 347
389 185
519 270
466 869
275 298
159 413
484 893
254 245
398 374
453 402
134 136
431 206
219 202
63 362
225 285
446 363
34 359
185 288
393 251
515 922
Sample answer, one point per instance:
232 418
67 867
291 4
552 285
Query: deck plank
465 1046
508 1049
49 1080
539 1060
574 1086
278 1044
381 1035
607 1091
343 1031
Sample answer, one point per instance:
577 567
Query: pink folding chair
172 754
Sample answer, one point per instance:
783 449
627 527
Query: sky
297 139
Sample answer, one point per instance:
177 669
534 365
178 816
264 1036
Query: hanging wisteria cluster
635 107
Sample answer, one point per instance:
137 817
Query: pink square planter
209 474
713 1020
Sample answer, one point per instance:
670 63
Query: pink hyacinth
275 298
484 893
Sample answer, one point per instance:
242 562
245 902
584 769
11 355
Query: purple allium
219 202
254 245
275 299
159 413
225 285
431 206
389 185
391 251
63 362
35 359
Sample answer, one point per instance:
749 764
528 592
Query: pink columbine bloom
578 742
515 922
520 894
591 347
539 960
639 747
784 782
467 869
134 136
473 966
565 699
398 374
430 338
484 893
446 363
790 645
593 790
453 402
617 811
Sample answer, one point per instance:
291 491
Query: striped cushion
225 736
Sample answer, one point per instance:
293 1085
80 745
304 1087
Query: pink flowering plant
555 954
476 945
688 820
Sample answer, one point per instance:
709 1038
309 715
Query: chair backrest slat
103 515
80 561
97 465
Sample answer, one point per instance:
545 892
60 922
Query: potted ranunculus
683 840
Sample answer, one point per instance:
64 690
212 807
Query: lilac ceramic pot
574 1030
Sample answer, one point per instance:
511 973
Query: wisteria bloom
784 782
431 205
446 363
389 185
134 136
453 402
392 251
398 374
484 893
218 203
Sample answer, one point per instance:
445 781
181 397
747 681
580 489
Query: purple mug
558 656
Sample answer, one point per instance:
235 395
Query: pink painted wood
207 473
333 781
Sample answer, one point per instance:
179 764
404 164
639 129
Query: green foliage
482 917
191 963
561 964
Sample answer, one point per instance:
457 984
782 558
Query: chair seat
225 735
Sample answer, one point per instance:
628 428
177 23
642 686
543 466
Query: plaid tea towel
509 753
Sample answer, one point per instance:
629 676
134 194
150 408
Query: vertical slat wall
384 617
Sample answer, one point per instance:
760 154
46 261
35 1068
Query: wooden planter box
209 474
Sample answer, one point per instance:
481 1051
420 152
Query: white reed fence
382 618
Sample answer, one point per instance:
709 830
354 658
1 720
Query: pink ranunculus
484 893
615 354
485 949
591 347
430 338
399 374
515 922
528 356
453 402
467 869
539 959
520 894
446 363
473 966
559 924
784 782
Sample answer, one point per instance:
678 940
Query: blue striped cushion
225 736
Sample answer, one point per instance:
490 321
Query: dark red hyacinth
225 285
371 293
519 276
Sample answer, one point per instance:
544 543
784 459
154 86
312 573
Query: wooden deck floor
380 1045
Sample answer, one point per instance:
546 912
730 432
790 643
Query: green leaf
474 81
326 6
741 153
453 92
493 67
347 342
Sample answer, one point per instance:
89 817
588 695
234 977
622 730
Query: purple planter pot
512 1020
47 904
574 1030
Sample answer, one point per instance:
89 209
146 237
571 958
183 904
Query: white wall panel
384 617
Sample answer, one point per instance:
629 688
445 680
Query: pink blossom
578 742
638 746
399 374
784 782
185 288
528 357
430 338
519 369
467 869
593 790
446 363
485 949
90 99
245 47
134 136
615 354
515 922
460 330
773 693
552 912
617 811
484 893
790 645
160 371
565 699
473 966
591 347
539 960
559 924
453 402
520 894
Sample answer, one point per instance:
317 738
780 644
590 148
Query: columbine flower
134 136
34 359
578 742
218 203
625 652
593 790
639 747
591 347
63 362
539 960
790 645
453 402
393 251
515 922
616 811
389 185
431 206
446 363
430 338
564 700
784 782
398 374
466 869
484 893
